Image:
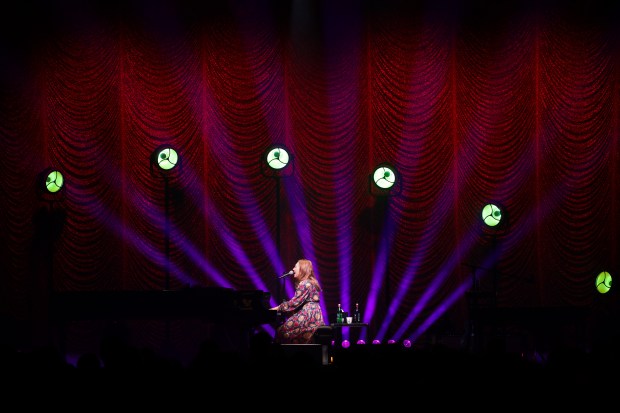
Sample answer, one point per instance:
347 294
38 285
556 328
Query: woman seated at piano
302 313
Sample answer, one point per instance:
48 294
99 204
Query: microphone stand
280 289
281 280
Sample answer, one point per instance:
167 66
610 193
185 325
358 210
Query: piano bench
323 335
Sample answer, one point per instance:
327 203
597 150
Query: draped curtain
471 102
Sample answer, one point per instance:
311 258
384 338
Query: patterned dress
303 315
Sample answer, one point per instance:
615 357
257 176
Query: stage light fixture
51 184
384 177
603 282
277 157
166 163
491 215
276 161
494 217
54 181
164 160
384 180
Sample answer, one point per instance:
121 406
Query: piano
215 304
171 322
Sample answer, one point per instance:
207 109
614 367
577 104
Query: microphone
291 272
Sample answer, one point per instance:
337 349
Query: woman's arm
302 293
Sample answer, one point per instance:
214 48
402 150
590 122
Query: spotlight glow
346 344
407 343
375 341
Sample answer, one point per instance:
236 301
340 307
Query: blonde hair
306 272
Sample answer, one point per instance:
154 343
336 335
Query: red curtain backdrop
473 102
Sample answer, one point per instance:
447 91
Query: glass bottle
357 316
339 315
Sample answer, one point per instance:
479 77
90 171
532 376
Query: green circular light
167 159
491 215
603 282
54 181
277 158
384 177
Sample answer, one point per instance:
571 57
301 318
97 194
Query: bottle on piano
357 316
339 315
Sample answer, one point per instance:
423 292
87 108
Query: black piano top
215 304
